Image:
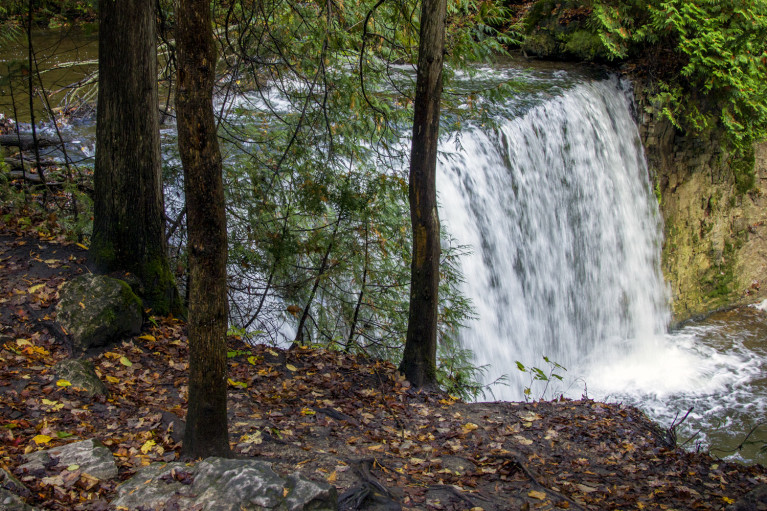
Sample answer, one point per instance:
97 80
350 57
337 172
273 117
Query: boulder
96 310
219 484
80 373
11 493
9 501
93 458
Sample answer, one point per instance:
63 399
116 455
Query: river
556 204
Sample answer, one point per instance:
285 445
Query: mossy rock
96 310
80 373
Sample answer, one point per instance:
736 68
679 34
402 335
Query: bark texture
419 361
206 432
128 223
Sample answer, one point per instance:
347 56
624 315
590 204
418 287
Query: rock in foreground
218 484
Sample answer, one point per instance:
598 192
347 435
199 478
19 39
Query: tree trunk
419 361
206 431
128 223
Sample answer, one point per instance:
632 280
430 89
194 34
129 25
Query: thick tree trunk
128 223
206 431
419 361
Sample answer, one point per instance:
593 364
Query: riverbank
334 417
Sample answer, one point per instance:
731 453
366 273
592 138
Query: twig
517 463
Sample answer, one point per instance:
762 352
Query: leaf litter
336 417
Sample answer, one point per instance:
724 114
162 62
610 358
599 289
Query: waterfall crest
558 209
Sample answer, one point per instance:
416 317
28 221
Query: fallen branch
517 464
26 142
370 489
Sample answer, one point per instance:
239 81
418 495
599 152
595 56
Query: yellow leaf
252 360
253 438
63 383
332 477
42 439
291 367
376 447
522 440
307 411
73 467
239 384
147 446
535 494
112 379
728 500
124 361
81 246
51 261
23 342
35 288
49 402
147 337
272 352
470 426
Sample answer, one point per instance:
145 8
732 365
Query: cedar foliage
707 59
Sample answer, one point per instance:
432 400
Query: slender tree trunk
419 361
128 223
206 431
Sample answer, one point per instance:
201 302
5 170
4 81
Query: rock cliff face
715 248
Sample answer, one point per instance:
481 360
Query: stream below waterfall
556 205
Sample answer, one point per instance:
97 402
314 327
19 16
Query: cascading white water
558 209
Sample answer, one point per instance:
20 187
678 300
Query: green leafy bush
707 59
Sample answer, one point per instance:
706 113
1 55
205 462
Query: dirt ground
344 419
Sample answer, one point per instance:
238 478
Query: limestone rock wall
715 244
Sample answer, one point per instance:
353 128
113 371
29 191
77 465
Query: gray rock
94 459
80 373
10 483
11 492
9 501
218 484
97 310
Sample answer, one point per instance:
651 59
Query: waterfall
566 235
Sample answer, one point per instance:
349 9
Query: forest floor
334 417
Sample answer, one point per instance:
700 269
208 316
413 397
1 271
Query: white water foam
566 234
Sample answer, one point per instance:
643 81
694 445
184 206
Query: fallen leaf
291 367
124 361
63 383
238 384
470 426
148 445
332 477
35 288
529 416
535 494
522 440
42 439
147 337
112 379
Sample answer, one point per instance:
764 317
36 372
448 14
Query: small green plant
538 374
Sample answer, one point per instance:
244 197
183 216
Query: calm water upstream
556 204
